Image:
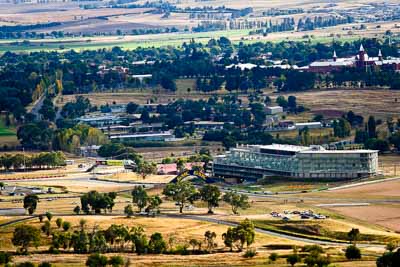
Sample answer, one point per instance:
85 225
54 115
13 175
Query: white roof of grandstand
351 151
290 148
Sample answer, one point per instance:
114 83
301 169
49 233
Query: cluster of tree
185 193
239 236
390 257
369 136
44 160
142 200
42 135
309 24
95 202
120 238
72 110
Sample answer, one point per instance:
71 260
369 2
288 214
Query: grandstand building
252 162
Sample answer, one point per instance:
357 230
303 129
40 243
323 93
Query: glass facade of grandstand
254 162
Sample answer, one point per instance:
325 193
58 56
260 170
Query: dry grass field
380 103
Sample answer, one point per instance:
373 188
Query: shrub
157 244
250 253
49 215
273 257
311 248
66 226
25 264
116 261
293 259
96 260
389 259
353 253
59 222
5 257
45 264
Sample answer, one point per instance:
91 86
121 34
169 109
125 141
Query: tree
241 235
96 201
211 195
180 165
25 236
273 257
46 228
66 226
128 210
292 259
131 107
168 83
209 238
353 252
292 103
389 259
138 239
281 101
59 222
182 192
116 261
236 201
353 235
146 168
194 243
391 246
139 197
77 210
96 260
371 127
157 244
49 216
5 257
25 264
30 203
154 204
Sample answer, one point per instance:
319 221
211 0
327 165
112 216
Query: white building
309 125
273 110
315 162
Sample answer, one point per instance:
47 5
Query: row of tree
43 160
120 238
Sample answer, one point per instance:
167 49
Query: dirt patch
389 189
384 215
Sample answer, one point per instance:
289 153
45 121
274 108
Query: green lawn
6 131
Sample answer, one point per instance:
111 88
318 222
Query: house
273 110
